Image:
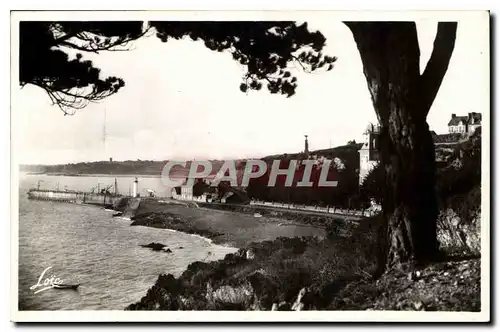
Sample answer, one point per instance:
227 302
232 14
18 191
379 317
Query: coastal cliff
312 274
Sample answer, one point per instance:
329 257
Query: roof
467 119
476 117
456 120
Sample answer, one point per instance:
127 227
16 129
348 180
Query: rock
298 305
250 254
180 247
264 288
456 234
414 275
168 250
284 306
154 246
184 301
419 305
241 253
242 294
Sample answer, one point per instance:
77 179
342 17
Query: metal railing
333 210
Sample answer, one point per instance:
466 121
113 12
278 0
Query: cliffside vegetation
337 273
458 189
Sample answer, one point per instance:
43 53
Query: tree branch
433 75
77 47
67 101
300 63
91 45
63 38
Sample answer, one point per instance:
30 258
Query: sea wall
331 210
307 217
73 197
130 207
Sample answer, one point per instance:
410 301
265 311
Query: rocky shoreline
310 273
167 220
241 281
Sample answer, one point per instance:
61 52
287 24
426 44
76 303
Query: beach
229 228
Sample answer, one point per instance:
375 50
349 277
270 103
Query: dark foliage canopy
71 83
266 49
373 184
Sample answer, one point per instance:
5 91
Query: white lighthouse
134 188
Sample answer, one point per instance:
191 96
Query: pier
78 197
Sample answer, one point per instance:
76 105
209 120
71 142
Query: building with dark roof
464 124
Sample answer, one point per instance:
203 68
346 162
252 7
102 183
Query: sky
181 101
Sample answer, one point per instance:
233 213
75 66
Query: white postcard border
482 19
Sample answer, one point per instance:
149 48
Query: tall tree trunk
402 98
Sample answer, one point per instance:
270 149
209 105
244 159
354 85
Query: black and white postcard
250 166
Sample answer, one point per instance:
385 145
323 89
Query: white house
464 124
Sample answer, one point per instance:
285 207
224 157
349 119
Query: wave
210 241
